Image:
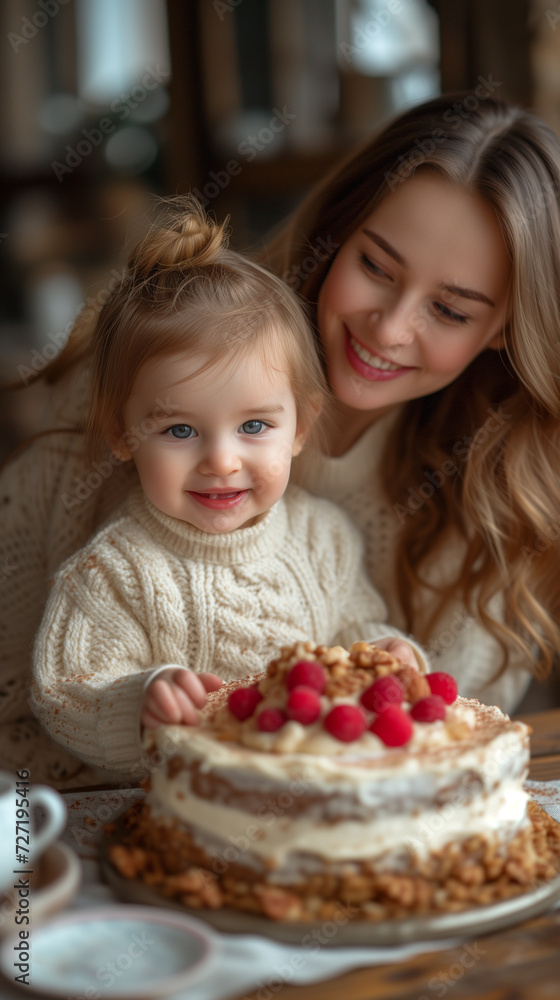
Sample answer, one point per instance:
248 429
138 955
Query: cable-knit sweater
150 591
51 502
459 644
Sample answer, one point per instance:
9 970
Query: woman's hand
175 697
401 650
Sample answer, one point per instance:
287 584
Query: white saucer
119 952
54 883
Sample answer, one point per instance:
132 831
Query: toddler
206 377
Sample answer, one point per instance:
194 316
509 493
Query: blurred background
244 102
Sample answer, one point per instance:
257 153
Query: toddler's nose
219 460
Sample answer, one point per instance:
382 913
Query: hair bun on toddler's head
181 236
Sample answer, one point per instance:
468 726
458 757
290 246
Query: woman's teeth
372 359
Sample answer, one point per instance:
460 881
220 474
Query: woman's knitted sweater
150 591
459 644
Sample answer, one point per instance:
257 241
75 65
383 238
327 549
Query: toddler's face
212 447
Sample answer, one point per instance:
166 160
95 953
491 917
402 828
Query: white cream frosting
346 761
273 836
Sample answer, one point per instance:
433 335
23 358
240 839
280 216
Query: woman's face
414 295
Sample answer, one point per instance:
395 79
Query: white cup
20 840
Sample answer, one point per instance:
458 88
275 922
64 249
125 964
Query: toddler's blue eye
182 431
252 426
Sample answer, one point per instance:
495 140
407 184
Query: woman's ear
302 431
299 440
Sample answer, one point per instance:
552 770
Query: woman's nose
393 328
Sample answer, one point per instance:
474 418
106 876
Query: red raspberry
271 719
345 723
443 684
307 673
428 709
243 701
383 692
303 705
393 726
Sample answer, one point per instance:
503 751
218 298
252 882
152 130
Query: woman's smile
369 364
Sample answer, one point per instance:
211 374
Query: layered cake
336 778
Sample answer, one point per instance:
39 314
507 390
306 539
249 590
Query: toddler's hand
175 697
401 650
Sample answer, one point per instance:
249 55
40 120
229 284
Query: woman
430 262
438 319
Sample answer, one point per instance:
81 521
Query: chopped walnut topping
129 861
336 654
414 684
347 683
279 904
370 656
339 670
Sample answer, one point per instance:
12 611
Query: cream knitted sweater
51 502
149 591
459 644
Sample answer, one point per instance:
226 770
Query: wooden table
521 963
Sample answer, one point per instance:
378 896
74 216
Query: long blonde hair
185 291
504 409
